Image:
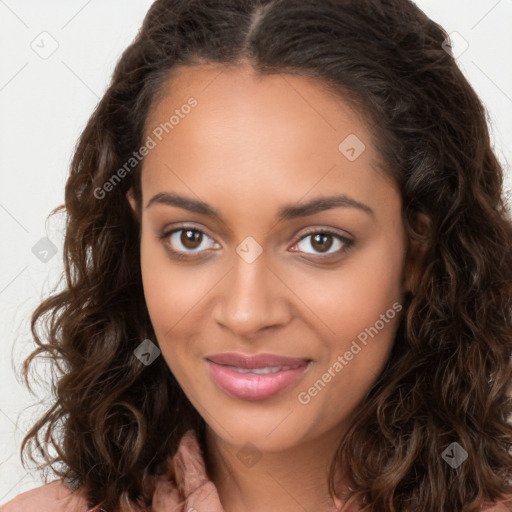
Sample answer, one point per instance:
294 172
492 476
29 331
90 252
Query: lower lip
251 386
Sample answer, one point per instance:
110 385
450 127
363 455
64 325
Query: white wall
44 104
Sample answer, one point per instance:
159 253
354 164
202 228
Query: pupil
321 238
189 237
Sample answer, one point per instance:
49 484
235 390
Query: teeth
263 371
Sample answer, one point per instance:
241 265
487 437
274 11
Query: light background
44 105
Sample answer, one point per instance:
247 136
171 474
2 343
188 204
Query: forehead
270 138
238 96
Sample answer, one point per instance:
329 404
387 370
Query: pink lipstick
255 377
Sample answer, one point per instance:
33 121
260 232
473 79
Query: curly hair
448 376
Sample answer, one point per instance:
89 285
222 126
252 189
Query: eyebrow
286 212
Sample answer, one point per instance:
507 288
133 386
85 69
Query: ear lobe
415 253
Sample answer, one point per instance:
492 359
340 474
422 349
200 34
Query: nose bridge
252 297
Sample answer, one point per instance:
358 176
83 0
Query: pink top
184 487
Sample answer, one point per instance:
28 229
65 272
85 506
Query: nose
252 297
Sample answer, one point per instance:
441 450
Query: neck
292 480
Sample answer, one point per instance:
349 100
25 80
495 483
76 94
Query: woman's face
276 270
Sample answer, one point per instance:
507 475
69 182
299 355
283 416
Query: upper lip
256 361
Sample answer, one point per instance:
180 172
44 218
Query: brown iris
318 241
191 236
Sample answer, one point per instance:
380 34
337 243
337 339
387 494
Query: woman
289 272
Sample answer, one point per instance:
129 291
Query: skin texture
251 145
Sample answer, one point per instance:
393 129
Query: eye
186 240
322 240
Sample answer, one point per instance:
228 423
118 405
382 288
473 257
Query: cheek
358 309
174 295
374 285
169 300
352 297
369 312
167 287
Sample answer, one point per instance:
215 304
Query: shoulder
504 505
52 497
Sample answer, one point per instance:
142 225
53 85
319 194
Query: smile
255 383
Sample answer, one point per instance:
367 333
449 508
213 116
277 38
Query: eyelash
183 255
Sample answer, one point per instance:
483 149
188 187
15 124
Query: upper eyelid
184 227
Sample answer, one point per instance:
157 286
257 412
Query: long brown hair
449 372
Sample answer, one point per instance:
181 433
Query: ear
415 252
133 203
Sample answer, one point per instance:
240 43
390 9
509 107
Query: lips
255 377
